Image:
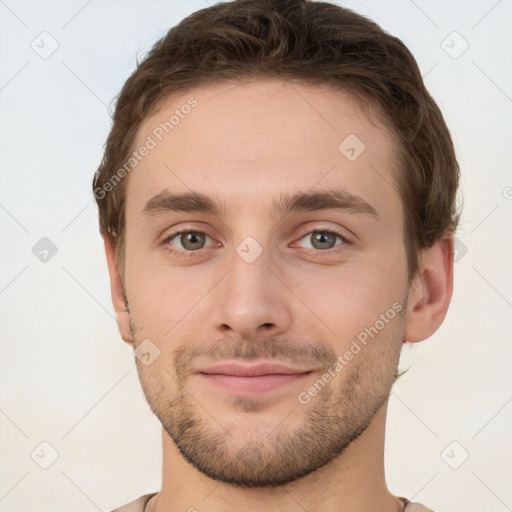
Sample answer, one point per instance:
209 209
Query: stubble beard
333 419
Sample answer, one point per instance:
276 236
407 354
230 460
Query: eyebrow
299 201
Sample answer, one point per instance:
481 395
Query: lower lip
259 384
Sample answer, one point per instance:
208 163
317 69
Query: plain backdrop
67 379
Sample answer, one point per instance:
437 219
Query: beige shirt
140 503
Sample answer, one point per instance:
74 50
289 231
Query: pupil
191 239
322 238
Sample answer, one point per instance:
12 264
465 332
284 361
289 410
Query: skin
298 303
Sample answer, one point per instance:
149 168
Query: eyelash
190 254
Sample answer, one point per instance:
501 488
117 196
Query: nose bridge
249 276
251 250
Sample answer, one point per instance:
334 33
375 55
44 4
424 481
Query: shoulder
136 505
413 506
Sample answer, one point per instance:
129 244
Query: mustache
306 353
188 357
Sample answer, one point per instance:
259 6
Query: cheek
163 300
344 301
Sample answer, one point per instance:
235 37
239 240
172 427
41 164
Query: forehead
248 140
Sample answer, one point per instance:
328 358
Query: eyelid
344 234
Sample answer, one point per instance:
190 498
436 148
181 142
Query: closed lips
253 371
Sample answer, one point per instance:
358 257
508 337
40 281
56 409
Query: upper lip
254 370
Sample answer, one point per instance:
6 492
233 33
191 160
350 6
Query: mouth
260 378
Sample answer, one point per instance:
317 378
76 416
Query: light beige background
67 379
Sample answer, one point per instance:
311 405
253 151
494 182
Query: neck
355 480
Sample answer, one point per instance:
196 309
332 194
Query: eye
190 241
187 242
324 239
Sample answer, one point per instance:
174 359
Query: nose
252 300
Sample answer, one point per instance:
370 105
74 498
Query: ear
430 291
116 288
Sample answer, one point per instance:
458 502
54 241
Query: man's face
257 283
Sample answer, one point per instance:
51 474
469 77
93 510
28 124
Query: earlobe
116 288
430 292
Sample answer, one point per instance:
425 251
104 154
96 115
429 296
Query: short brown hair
316 42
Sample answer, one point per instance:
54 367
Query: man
277 202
